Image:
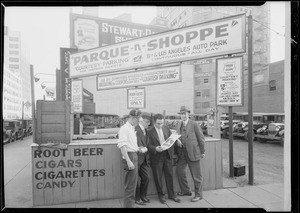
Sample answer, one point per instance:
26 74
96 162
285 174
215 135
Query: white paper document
170 141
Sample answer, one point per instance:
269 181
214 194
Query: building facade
16 77
205 70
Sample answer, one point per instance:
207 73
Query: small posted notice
229 81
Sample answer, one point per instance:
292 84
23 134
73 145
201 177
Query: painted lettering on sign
64 171
145 77
220 37
229 78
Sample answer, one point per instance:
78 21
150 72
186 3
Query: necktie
161 136
144 131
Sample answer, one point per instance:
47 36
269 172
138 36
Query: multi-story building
16 77
205 74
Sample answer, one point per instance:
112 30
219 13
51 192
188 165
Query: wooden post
230 142
33 102
250 110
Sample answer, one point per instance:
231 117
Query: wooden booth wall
88 171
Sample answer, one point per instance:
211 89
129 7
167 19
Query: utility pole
250 110
33 102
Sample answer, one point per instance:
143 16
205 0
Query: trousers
130 182
194 166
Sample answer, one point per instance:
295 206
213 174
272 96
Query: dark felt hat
146 115
184 109
135 112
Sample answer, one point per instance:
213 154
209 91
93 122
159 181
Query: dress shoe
176 199
195 199
145 199
139 202
184 194
162 200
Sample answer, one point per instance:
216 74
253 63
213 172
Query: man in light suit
190 149
161 160
143 160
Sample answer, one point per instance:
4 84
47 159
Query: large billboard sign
145 77
210 39
230 81
90 32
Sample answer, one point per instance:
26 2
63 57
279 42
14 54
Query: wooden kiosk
66 170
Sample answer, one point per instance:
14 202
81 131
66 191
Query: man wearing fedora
190 149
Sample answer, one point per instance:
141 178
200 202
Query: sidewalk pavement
18 194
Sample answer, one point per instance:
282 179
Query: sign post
250 110
230 92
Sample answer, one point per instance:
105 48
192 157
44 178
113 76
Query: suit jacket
142 140
154 142
195 142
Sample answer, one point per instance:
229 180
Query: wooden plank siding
86 162
53 122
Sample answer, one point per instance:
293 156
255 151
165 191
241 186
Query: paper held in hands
170 141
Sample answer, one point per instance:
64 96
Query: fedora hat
135 113
184 109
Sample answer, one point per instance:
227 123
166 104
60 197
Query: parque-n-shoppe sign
210 39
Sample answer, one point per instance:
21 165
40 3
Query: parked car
241 129
203 126
7 136
13 130
271 132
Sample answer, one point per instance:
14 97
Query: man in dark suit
143 159
190 149
160 159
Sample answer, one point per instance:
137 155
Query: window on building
272 85
206 104
13 59
197 81
14 52
198 105
13 66
206 93
198 94
205 80
198 68
13 38
15 46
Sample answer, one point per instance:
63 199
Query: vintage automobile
12 130
7 136
241 129
203 126
271 132
225 127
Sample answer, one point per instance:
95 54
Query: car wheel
282 140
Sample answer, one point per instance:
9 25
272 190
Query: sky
45 29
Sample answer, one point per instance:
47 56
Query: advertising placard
90 32
210 39
230 81
139 78
63 87
77 95
136 98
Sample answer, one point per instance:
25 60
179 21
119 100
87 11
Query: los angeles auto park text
179 39
55 179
